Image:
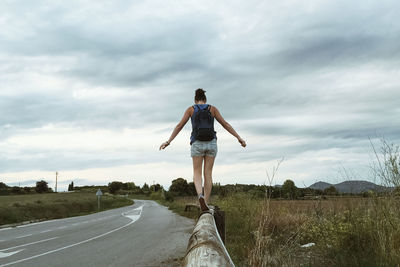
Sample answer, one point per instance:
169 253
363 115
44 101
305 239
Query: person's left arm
178 128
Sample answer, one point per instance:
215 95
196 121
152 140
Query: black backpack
203 124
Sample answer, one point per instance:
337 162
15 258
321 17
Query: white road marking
62 227
22 236
31 224
55 220
45 231
133 218
40 241
8 254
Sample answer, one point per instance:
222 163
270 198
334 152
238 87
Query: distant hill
320 185
354 186
358 187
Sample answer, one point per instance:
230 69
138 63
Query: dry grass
347 232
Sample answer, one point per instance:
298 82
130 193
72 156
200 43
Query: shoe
203 205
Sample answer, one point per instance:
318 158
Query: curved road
143 234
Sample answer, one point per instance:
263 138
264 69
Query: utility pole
56 180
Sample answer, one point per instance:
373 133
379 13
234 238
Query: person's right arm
227 126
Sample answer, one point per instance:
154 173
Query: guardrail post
219 217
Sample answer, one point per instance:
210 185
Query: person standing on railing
203 141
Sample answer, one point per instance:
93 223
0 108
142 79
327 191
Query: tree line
180 187
41 187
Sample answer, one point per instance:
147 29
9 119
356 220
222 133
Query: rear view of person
203 141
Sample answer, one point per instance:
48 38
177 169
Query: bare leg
197 179
208 167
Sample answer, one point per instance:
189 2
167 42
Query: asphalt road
143 234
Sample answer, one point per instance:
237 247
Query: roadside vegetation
36 207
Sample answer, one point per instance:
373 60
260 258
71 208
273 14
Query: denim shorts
204 148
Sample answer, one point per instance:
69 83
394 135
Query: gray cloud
324 72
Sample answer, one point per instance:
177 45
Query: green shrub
156 195
42 187
168 196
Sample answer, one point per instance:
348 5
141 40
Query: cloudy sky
92 88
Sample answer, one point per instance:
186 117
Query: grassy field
346 231
31 207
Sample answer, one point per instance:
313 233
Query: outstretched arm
178 128
227 126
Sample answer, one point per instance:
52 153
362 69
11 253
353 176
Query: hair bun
200 92
200 95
